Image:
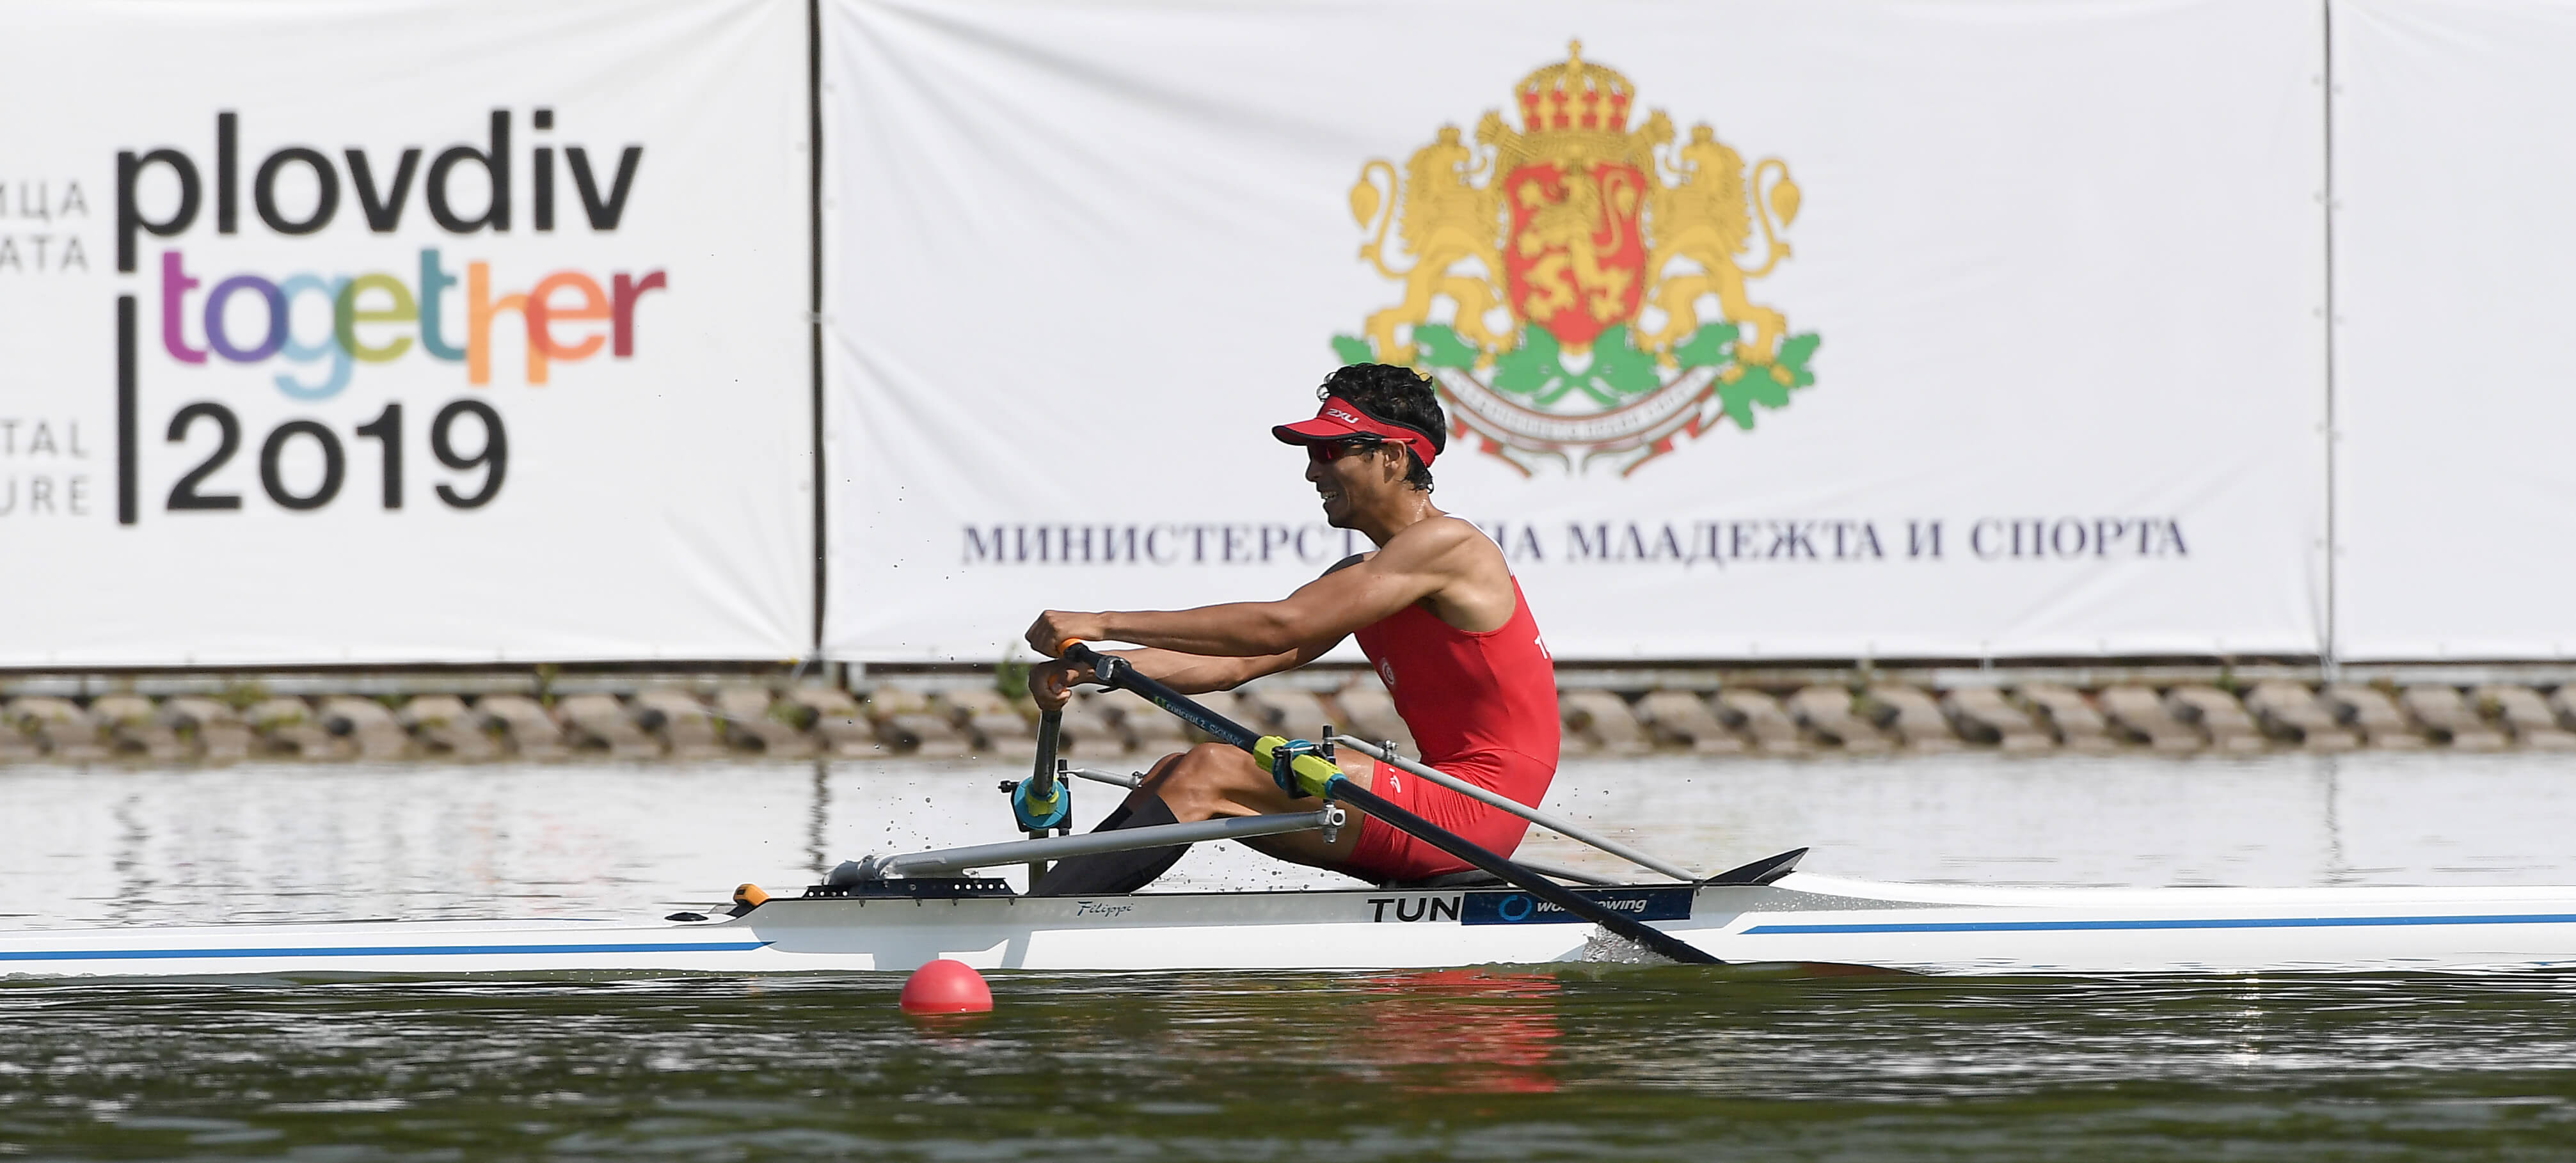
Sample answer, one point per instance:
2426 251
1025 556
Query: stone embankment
1606 715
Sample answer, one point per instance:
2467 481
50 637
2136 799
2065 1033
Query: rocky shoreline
955 714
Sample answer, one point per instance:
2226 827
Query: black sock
1116 872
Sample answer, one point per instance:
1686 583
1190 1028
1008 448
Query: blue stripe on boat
376 951
2206 923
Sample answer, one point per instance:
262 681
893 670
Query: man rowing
1436 611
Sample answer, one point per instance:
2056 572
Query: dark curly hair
1394 395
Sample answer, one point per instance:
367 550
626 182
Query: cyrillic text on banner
1765 330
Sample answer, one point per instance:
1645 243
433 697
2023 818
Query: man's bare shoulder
1445 539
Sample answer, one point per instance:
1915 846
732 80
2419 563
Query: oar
1318 776
1040 798
1382 754
1042 780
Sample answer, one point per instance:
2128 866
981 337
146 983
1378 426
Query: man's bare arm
1413 566
1051 683
1193 674
1190 674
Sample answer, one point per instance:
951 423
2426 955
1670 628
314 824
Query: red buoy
946 987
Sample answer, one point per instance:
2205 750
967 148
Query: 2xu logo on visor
1339 418
420 307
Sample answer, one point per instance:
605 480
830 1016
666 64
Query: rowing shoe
1303 769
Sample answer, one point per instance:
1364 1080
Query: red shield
1576 260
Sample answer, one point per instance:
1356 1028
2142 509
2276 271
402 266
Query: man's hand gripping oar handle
1317 776
1041 802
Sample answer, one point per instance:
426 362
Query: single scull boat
899 912
1793 918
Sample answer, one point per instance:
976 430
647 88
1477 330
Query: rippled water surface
1629 1063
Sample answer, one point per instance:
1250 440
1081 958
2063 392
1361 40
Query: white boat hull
1801 918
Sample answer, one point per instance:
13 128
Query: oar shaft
1312 769
1517 808
1042 788
1050 731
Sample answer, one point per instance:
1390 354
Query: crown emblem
1575 95
1581 290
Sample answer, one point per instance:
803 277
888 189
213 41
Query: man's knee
1196 780
1184 765
1208 754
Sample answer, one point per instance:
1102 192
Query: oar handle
1318 776
1042 781
1102 665
1039 802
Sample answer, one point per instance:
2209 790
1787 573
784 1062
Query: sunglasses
1328 451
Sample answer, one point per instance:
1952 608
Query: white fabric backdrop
2065 262
653 505
2453 360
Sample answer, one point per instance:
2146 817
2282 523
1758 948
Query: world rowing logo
1575 286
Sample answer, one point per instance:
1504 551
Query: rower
1435 609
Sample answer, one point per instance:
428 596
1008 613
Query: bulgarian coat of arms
1578 289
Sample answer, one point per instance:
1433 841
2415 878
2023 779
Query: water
1590 1062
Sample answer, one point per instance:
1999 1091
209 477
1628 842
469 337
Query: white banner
2453 356
1768 329
399 331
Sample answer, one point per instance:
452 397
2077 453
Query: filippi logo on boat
314 330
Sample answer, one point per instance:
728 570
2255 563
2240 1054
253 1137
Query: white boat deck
1803 918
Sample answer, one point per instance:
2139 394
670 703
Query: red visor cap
1339 419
